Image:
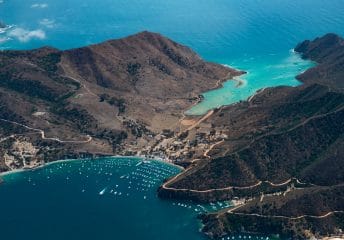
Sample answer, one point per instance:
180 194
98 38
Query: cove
81 199
254 36
261 73
106 198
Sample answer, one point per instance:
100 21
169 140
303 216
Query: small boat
138 164
102 191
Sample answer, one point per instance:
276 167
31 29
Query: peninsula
279 154
282 159
120 97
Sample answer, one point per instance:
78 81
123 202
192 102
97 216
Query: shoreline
219 84
138 157
241 82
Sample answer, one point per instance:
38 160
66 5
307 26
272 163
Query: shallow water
255 36
268 71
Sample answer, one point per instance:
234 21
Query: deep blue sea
253 35
88 200
110 198
105 198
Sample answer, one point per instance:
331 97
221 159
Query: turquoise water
63 201
267 71
255 36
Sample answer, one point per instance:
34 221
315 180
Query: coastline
241 82
255 94
218 85
138 157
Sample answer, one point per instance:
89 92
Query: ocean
256 36
104 198
59 201
109 198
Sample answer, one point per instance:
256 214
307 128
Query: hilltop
279 153
105 99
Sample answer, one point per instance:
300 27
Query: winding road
42 133
211 148
258 183
284 217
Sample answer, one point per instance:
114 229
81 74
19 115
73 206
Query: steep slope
156 76
145 63
299 214
109 98
328 51
285 141
283 133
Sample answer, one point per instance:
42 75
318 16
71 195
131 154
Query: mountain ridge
284 142
281 147
121 92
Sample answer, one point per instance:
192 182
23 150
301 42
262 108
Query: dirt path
205 191
279 184
42 133
285 217
6 138
205 117
255 94
211 148
286 131
231 187
221 189
66 75
83 85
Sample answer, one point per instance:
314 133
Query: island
278 155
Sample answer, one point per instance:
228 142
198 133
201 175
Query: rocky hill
328 52
105 99
282 155
279 154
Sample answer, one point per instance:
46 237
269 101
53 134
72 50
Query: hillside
328 52
105 99
282 143
280 149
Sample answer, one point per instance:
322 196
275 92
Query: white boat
102 191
